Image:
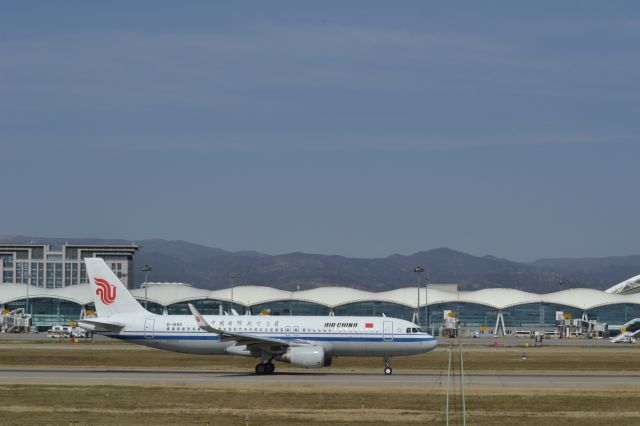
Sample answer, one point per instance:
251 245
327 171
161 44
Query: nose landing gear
387 365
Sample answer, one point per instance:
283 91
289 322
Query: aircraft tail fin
109 294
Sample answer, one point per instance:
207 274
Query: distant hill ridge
214 268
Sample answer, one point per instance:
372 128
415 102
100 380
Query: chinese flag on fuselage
368 325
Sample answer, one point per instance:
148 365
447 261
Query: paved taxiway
76 376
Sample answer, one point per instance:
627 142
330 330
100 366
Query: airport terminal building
44 266
49 277
59 293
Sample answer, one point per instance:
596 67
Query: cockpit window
413 330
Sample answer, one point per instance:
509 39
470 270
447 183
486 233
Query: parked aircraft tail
109 294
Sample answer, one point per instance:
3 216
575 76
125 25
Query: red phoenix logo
106 291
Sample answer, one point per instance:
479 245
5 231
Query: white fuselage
339 336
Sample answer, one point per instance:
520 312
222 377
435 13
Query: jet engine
306 357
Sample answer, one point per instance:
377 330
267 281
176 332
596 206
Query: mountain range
213 268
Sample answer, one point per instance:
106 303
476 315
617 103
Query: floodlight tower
420 271
146 269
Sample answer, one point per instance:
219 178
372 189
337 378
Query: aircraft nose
431 344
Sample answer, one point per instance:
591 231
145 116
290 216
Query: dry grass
568 358
315 405
297 405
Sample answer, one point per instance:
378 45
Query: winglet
202 323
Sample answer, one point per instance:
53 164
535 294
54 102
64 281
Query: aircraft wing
269 344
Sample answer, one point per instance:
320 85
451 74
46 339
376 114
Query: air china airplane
303 341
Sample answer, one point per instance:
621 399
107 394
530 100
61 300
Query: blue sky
354 128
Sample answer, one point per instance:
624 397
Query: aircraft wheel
388 370
270 367
260 369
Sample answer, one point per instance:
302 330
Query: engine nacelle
239 350
306 357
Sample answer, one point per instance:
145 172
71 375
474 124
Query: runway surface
73 376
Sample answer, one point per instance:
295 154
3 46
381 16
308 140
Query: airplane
302 341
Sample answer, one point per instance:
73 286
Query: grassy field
261 404
557 358
316 406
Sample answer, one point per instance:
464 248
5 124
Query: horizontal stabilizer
99 326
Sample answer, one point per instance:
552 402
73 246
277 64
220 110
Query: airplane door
148 328
387 331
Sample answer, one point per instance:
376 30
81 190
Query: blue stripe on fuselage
215 337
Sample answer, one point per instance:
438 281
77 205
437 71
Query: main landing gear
265 368
387 365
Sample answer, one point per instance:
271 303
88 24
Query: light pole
146 269
28 285
145 294
427 279
420 271
233 278
291 299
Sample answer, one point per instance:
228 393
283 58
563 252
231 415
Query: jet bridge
15 321
628 332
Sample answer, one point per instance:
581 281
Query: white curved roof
334 296
80 294
500 298
250 295
585 298
632 285
170 293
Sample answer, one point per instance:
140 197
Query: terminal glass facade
47 312
550 309
615 314
153 307
469 314
375 308
525 316
529 315
206 307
